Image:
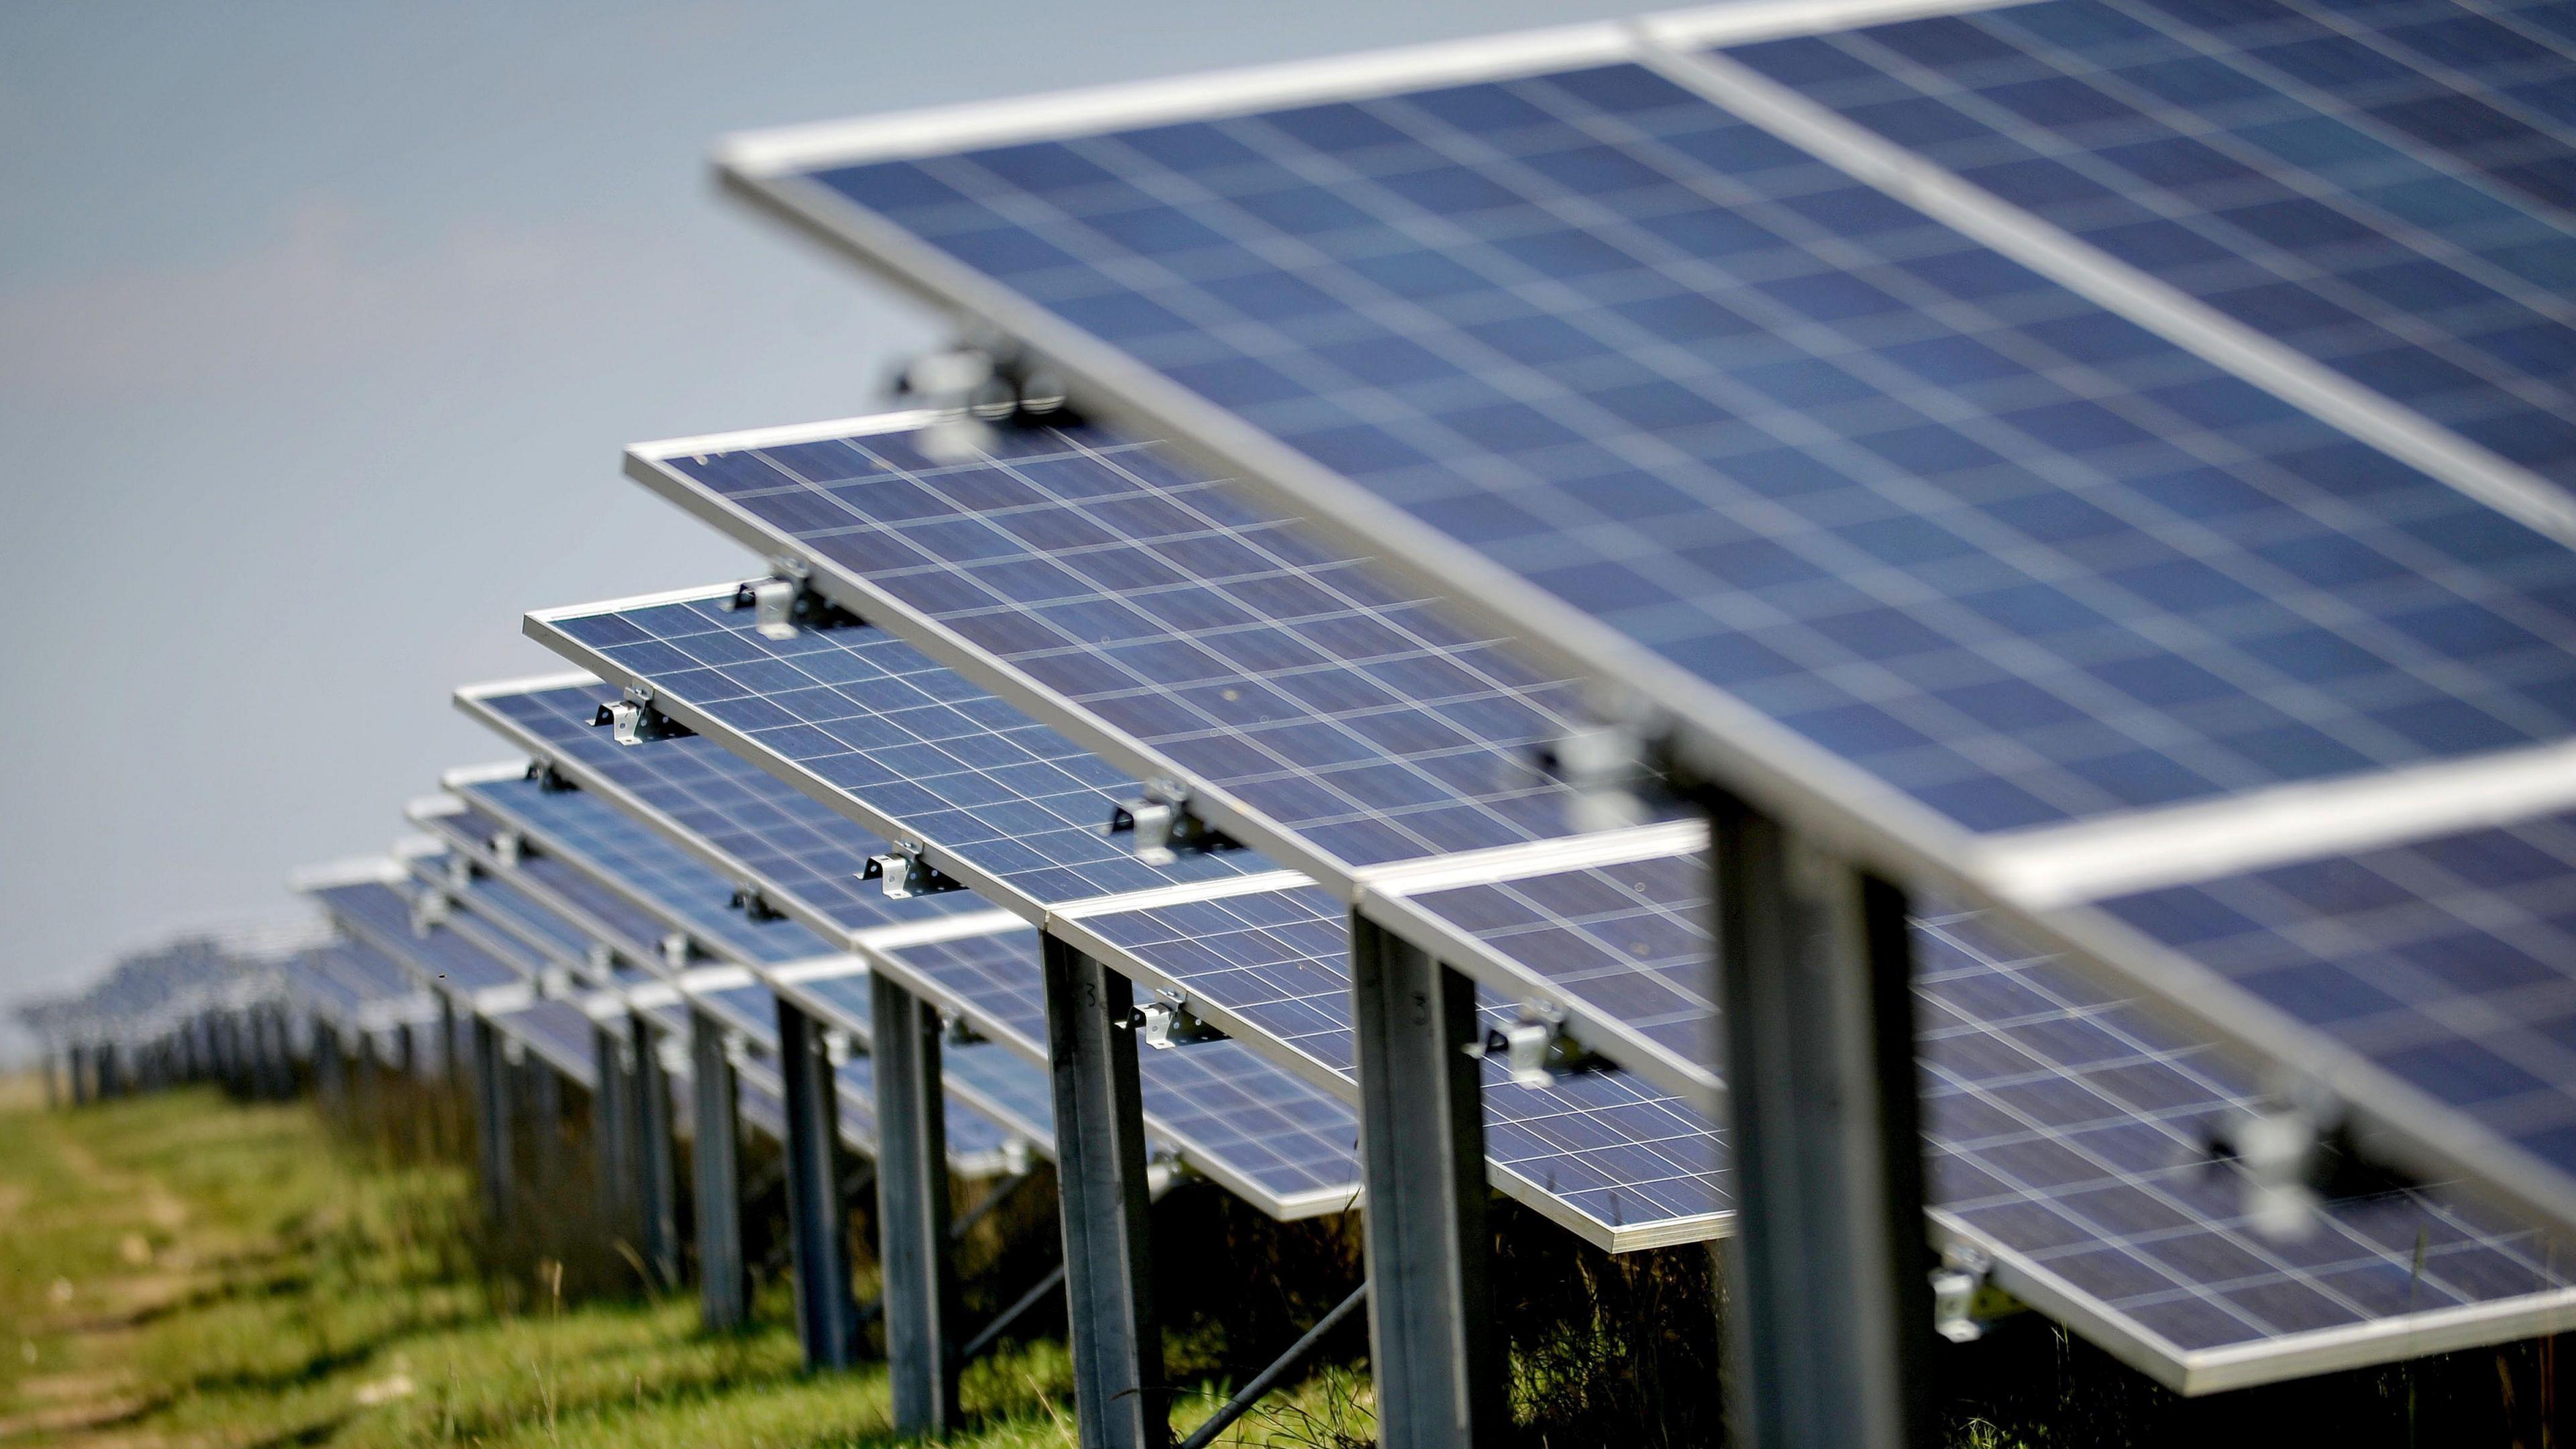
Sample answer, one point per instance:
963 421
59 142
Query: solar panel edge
1717 735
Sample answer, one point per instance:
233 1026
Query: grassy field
182 1270
185 1270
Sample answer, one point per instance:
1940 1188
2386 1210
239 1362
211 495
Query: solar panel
590 837
1017 809
1268 1136
1192 632
807 859
1603 1153
798 703
2390 195
1189 633
744 824
2069 1135
542 937
1001 1084
990 1084
559 1033
379 912
2446 959
1914 542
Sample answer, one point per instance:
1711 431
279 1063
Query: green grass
180 1270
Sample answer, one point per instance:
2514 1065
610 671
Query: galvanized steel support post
1832 1328
724 1287
657 1180
818 1220
913 1211
1432 1348
1117 1346
612 1130
492 1119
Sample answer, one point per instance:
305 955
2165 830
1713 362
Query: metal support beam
1432 1347
657 1178
1832 1326
818 1220
492 1120
76 1067
447 1036
612 1131
1117 1347
724 1285
913 1211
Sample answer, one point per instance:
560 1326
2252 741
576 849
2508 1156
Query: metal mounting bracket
601 959
549 779
513 1050
460 872
981 382
429 910
1164 826
1607 767
1964 1303
753 905
786 602
956 1030
906 873
509 847
1166 1021
836 1046
676 951
555 983
635 719
1535 1049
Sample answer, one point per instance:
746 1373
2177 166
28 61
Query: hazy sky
321 327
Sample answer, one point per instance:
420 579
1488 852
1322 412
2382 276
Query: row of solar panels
2070 1132
2106 459
2101 461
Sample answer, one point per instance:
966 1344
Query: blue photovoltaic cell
1606 1144
2392 192
1217 1099
382 914
911 740
576 826
2008 552
2450 962
790 842
1184 616
2062 1125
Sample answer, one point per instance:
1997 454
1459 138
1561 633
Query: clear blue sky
321 326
